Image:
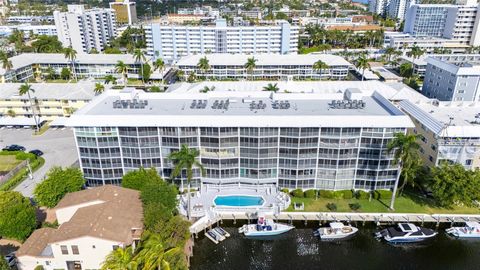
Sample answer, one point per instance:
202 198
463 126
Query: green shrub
21 175
327 194
382 194
332 207
285 190
297 193
310 193
347 194
362 195
354 206
337 195
25 156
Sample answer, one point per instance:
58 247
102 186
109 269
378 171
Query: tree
405 148
110 79
320 66
4 264
155 89
185 159
180 75
389 52
136 179
250 66
207 89
65 73
47 44
415 52
122 68
11 113
6 63
192 77
362 63
146 72
120 259
406 70
99 88
271 87
71 55
154 254
59 182
27 89
159 65
453 184
51 73
203 65
139 57
17 216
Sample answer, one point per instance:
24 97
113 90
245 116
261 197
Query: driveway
58 147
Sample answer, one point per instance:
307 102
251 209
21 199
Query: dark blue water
299 249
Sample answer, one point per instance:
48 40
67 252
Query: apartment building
453 77
379 7
396 9
171 42
429 44
85 30
27 29
267 67
31 65
306 140
125 11
449 131
92 223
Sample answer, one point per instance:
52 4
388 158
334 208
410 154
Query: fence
11 173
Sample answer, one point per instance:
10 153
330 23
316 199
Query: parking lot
58 146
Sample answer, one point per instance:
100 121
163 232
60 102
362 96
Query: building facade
125 11
174 41
397 8
85 30
379 7
449 131
291 140
453 77
267 67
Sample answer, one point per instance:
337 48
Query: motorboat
406 233
336 231
264 227
470 230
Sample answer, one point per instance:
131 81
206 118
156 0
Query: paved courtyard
58 146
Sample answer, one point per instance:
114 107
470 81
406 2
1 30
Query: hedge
345 194
327 194
382 194
22 174
297 193
285 190
362 195
310 193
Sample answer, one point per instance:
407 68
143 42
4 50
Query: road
58 147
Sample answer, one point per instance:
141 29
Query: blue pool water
236 200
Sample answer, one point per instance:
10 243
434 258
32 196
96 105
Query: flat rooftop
61 91
463 64
224 59
446 118
260 108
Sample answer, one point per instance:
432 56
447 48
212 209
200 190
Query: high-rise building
85 30
379 7
125 11
171 42
397 8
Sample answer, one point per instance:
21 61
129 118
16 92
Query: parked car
14 147
11 260
36 152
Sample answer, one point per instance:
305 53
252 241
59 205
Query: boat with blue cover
264 227
405 233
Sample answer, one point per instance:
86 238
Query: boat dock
214 217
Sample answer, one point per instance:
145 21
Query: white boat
264 227
406 233
336 231
470 230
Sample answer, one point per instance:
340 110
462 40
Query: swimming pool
238 200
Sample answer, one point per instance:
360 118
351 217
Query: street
58 147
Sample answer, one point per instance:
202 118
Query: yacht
264 227
336 231
406 233
470 230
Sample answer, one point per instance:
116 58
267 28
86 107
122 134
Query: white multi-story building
85 30
405 41
453 77
125 11
27 29
397 8
174 41
456 22
379 7
267 67
449 131
332 140
92 223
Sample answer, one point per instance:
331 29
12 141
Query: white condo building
85 30
170 42
379 7
397 8
333 140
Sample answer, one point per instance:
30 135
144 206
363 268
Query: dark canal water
299 249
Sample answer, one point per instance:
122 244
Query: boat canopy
407 227
336 225
472 224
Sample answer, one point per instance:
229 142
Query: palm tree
139 57
362 63
71 55
250 65
415 52
389 52
185 158
407 157
122 68
110 79
271 87
120 259
159 65
99 88
154 253
320 66
27 89
203 64
6 63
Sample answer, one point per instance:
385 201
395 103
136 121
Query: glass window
75 250
64 250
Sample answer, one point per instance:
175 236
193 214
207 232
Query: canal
299 249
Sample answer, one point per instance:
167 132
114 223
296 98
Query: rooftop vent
347 104
221 104
198 104
257 105
130 104
281 105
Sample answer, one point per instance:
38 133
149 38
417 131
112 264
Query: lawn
408 203
8 162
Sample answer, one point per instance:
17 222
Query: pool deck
203 200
